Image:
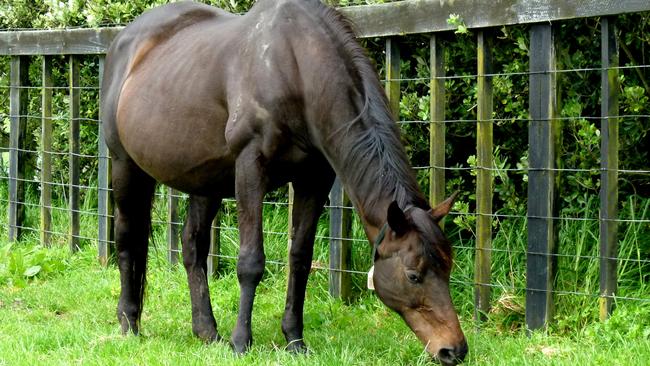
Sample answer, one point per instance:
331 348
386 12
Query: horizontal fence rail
381 20
390 21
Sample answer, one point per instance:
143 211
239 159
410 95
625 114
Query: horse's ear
444 207
397 220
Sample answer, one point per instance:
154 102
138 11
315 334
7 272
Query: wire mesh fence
574 255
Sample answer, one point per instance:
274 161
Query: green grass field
58 308
65 315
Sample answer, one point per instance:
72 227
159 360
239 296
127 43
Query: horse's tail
141 274
140 268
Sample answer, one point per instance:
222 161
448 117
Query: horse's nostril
461 351
447 356
453 356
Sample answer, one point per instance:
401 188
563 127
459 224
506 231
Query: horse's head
411 276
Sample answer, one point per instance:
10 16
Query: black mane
377 160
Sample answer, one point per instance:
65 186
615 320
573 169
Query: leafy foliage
71 13
20 264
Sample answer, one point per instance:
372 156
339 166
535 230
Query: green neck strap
378 240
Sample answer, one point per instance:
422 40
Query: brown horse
215 105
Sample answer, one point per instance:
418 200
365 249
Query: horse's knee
123 255
191 231
300 259
189 257
250 268
195 244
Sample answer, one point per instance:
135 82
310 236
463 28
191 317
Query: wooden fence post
340 249
46 152
18 102
437 125
609 166
542 136
393 75
484 178
215 245
173 226
73 160
291 195
105 202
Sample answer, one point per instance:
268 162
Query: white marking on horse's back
261 113
235 113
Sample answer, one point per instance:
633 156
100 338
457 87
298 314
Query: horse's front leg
196 245
250 185
310 195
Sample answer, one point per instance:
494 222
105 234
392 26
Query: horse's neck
352 125
373 175
370 198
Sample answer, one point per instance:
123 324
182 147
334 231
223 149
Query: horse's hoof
241 345
297 346
207 336
210 338
128 326
239 350
241 340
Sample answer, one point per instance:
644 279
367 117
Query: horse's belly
208 179
185 171
177 141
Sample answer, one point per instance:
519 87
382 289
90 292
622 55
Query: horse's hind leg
309 197
133 192
196 245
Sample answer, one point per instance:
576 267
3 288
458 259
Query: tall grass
36 284
577 280
66 315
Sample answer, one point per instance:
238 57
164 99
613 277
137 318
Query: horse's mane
376 160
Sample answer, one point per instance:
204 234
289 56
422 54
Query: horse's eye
412 276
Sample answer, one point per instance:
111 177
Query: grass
67 317
59 309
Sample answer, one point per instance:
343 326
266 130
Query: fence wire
359 243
